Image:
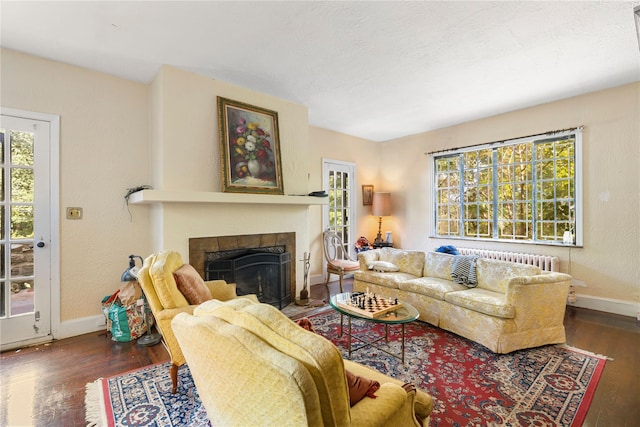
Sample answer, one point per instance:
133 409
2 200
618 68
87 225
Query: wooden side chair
337 256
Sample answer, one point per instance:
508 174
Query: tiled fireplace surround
200 246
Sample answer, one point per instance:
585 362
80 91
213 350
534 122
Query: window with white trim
525 190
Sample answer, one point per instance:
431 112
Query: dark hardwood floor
44 385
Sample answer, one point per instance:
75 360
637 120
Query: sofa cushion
431 286
161 273
191 285
383 266
438 264
411 262
388 280
483 301
494 275
345 264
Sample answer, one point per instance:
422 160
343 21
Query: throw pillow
451 250
305 323
360 387
383 266
191 285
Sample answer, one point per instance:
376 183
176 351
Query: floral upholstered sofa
513 306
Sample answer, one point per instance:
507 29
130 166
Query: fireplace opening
265 272
207 250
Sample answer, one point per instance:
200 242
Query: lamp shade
381 205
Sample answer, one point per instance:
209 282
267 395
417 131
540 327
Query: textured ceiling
377 70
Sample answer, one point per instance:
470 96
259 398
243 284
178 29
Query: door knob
40 244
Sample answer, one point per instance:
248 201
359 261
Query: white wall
332 145
117 134
607 263
104 134
186 157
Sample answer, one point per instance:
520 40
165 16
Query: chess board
368 305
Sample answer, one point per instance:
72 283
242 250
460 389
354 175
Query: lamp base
379 236
149 339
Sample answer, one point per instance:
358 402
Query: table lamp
129 275
381 206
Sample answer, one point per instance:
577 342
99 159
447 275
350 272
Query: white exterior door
339 182
25 230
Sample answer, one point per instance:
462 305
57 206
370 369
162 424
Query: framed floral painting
249 148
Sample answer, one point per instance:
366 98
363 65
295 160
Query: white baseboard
83 325
609 305
319 279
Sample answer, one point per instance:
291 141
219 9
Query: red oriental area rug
545 386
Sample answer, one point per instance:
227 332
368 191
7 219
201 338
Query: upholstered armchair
166 298
252 365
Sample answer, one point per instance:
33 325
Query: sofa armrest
367 257
221 290
163 324
539 301
551 277
170 313
422 402
393 405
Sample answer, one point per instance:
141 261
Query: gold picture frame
367 195
249 148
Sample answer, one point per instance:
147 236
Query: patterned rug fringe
588 353
95 413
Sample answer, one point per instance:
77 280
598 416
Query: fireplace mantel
165 196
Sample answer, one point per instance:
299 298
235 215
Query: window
525 190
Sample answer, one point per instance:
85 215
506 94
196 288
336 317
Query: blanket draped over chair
252 365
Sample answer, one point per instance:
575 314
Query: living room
117 134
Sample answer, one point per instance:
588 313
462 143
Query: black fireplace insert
263 273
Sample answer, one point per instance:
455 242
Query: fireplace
264 272
259 264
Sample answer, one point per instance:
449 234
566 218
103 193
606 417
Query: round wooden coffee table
399 316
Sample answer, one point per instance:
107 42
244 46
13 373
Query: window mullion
534 196
462 210
494 202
